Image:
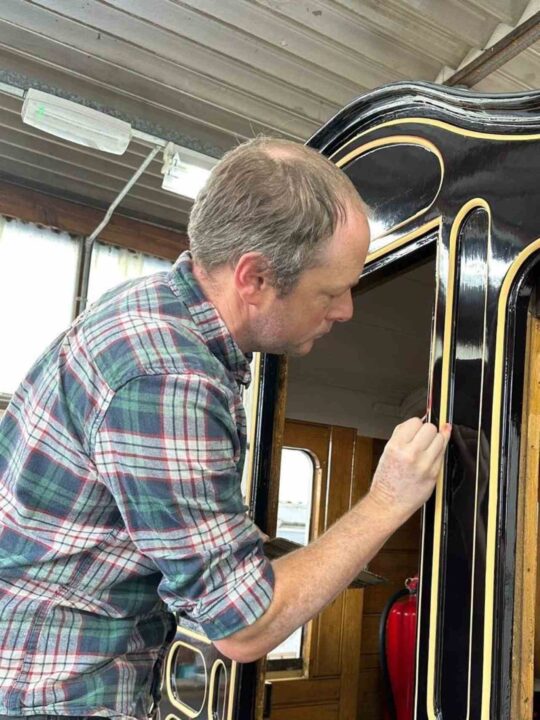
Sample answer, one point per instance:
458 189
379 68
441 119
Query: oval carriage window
189 679
396 181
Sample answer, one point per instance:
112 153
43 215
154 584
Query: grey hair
276 197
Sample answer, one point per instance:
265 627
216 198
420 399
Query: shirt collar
219 340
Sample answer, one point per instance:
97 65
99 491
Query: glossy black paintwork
467 459
503 172
409 191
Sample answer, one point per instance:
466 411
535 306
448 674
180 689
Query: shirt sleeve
169 451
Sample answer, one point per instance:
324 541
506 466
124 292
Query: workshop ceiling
209 73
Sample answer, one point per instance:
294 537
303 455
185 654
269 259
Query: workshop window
112 265
38 270
38 287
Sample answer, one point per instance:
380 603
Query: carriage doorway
322 679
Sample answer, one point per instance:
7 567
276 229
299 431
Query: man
122 451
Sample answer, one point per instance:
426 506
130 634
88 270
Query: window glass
189 678
112 266
38 269
296 483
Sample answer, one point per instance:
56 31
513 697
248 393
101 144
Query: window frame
78 220
283 668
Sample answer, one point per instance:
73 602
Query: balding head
271 196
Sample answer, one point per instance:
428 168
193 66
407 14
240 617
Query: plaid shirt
121 457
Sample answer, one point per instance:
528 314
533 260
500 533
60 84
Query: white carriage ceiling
208 73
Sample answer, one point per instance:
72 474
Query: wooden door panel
327 649
369 701
407 536
303 691
350 671
308 712
334 637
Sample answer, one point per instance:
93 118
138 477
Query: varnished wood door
328 687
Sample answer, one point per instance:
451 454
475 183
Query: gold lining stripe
443 418
190 712
398 140
403 240
445 126
433 123
193 634
461 216
494 468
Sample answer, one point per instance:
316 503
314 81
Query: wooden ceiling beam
77 219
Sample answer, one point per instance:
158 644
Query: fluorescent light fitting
185 171
76 123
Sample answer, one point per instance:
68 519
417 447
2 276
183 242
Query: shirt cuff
247 599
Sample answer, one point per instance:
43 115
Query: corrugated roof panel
152 79
208 74
330 40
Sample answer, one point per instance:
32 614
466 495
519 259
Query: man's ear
252 277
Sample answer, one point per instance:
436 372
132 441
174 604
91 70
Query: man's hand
307 579
409 466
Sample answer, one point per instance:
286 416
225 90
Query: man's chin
301 350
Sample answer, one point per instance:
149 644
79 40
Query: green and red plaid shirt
121 457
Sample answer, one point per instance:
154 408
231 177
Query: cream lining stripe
178 704
445 126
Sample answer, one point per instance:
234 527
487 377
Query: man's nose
343 309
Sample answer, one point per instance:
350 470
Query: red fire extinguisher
397 645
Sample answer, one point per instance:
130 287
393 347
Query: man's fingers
415 432
436 449
424 437
405 432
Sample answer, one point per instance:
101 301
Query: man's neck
218 291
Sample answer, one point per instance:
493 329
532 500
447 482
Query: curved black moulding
513 112
459 177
